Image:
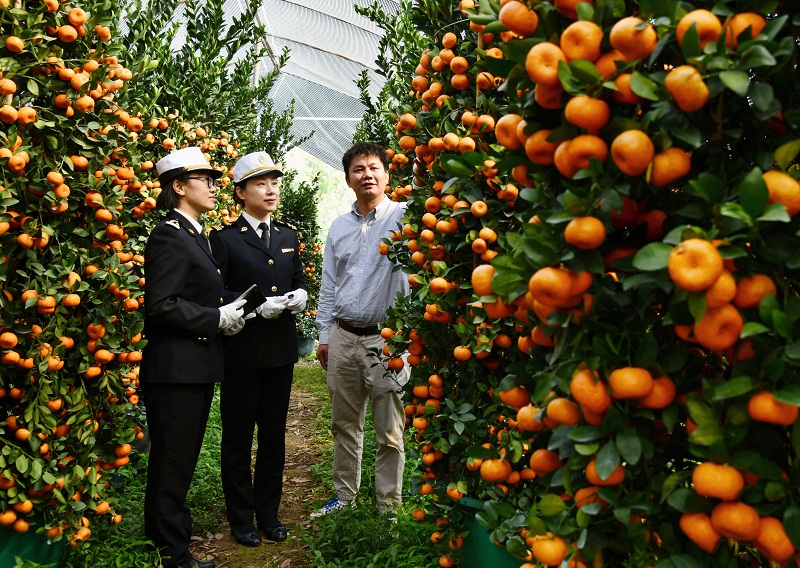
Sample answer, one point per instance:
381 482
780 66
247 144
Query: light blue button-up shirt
358 283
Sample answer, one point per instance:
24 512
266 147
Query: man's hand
322 355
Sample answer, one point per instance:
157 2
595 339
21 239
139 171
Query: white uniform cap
183 161
253 164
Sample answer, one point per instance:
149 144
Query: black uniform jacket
244 260
184 291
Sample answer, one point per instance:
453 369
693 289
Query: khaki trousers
355 376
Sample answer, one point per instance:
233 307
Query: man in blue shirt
358 286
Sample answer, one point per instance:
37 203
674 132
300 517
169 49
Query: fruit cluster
602 240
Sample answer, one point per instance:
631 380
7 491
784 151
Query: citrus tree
78 183
602 242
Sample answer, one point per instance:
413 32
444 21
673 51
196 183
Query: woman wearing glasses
185 313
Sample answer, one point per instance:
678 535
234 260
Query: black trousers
176 421
250 398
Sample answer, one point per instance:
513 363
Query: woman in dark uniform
259 361
184 311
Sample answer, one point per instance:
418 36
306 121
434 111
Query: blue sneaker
334 504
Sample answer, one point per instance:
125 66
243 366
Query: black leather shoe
247 539
197 563
277 533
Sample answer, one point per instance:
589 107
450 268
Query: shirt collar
376 213
194 222
253 222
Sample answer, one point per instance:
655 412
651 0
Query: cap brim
259 172
172 174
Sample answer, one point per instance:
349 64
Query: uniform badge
263 159
243 230
191 232
287 250
174 224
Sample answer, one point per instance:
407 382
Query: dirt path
301 454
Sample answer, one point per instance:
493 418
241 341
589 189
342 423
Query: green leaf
33 87
757 56
456 167
786 153
585 434
551 505
775 212
685 500
644 86
697 305
761 94
733 388
736 211
791 522
736 81
647 351
709 186
790 394
629 445
584 71
607 460
753 194
783 324
753 328
792 351
653 256
691 43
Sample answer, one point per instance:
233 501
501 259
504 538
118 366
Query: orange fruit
624 92
526 419
515 397
738 23
548 96
630 382
695 265
736 520
669 165
772 540
551 286
518 18
585 147
589 391
585 233
606 63
539 150
14 44
581 40
587 112
708 27
615 477
495 470
506 130
482 279
697 526
661 396
715 480
541 63
763 407
544 461
587 495
686 87
719 328
632 42
462 353
632 151
8 340
783 189
722 291
549 549
563 411
750 290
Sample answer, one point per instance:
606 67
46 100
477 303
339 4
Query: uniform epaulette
174 223
222 227
285 224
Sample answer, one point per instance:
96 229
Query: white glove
272 308
231 318
296 300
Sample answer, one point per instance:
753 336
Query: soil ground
302 452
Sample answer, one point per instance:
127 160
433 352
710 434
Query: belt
369 330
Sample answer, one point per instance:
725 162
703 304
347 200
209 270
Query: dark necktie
264 233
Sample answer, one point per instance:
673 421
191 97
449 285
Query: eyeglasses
210 181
